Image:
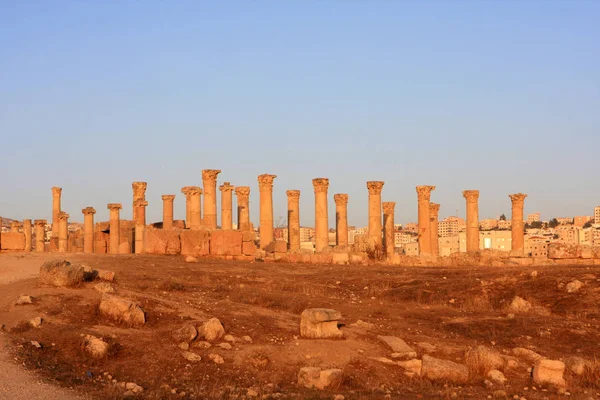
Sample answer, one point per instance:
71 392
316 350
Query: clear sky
500 96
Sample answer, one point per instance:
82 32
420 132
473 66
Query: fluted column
27 231
168 210
424 195
88 229
341 219
243 207
63 232
321 218
293 197
226 205
434 210
265 187
388 227
518 229
56 193
209 181
375 230
40 235
472 198
115 227
139 198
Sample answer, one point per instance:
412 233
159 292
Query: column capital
226 187
40 222
242 192
375 187
434 208
293 194
265 181
63 215
168 197
114 206
191 190
140 203
340 199
424 192
210 175
139 188
88 211
517 198
56 191
320 184
388 207
471 195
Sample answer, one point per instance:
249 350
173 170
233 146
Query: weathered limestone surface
321 218
265 186
63 232
115 227
444 370
139 197
160 241
472 198
195 243
27 231
40 235
12 241
375 234
88 229
168 200
398 346
243 208
320 323
56 193
388 227
209 181
424 196
293 197
226 205
518 227
563 251
61 273
226 243
341 219
549 372
121 310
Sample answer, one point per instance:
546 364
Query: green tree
588 224
553 223
503 217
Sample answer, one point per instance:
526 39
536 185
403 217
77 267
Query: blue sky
500 96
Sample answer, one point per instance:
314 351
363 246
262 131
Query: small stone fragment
36 322
520 305
497 377
229 338
574 286
22 300
191 259
186 333
188 355
216 358
225 346
95 346
247 339
310 377
104 287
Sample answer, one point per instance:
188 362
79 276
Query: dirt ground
453 309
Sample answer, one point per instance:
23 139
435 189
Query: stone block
549 372
12 241
248 236
195 242
313 377
320 323
54 243
248 248
125 248
398 346
276 246
340 258
444 370
159 241
178 224
586 252
100 246
226 243
562 251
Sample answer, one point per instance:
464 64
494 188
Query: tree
536 225
553 223
588 224
503 217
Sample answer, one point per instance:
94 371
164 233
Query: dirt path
15 382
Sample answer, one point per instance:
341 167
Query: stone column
243 207
193 217
115 227
226 205
27 231
341 219
389 239
185 190
209 181
63 232
321 218
472 197
375 212
56 193
434 211
168 210
424 195
40 235
265 187
88 229
139 197
518 229
293 197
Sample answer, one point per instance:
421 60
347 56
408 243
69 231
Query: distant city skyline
457 94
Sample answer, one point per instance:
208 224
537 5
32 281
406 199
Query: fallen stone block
320 323
520 305
248 248
398 346
94 346
528 355
549 372
411 367
574 286
61 273
444 370
312 377
186 333
104 287
212 330
23 299
122 310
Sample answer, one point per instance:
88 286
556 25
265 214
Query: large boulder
186 333
444 370
320 323
61 273
212 330
312 377
121 310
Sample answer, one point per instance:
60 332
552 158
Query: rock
320 323
482 359
528 355
574 286
191 259
497 377
549 372
426 347
184 346
36 344
338 397
365 325
36 322
104 287
520 305
212 330
384 360
411 367
310 377
193 357
229 338
95 346
225 346
444 370
216 358
201 345
500 394
22 300
251 392
247 339
576 365
121 310
61 273
134 387
398 346
186 333
106 275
